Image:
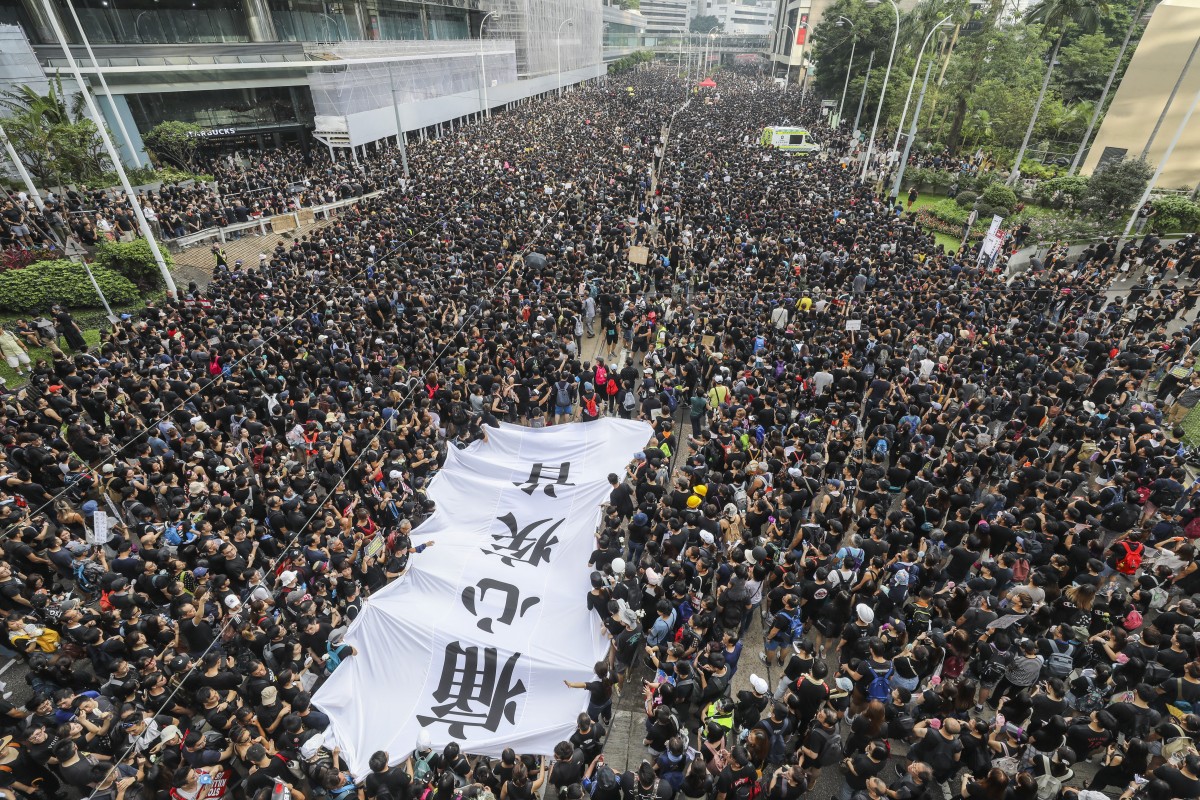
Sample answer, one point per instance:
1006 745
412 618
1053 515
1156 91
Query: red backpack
1128 564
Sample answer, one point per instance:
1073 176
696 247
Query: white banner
474 642
993 239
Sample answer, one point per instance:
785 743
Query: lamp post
558 49
787 67
87 45
912 134
138 214
887 74
803 71
863 96
682 33
911 83
853 41
484 108
401 136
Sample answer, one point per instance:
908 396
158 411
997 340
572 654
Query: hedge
41 285
134 260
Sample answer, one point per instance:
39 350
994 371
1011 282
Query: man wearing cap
718 395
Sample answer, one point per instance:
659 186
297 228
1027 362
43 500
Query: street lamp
911 83
788 65
887 74
558 49
840 21
484 109
803 71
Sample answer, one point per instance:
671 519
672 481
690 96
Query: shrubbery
1176 214
966 199
134 260
41 285
999 196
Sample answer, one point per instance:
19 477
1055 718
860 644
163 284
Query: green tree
705 23
174 142
1113 189
1055 15
1082 67
52 136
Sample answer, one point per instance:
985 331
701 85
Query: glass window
158 21
399 21
314 21
232 108
448 23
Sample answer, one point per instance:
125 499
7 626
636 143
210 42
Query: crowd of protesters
243 189
955 503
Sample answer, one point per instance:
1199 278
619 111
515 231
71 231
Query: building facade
1139 102
267 72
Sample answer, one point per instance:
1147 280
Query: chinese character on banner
474 691
522 544
536 478
473 595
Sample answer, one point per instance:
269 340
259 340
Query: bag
1061 662
1091 700
1142 494
1179 708
630 401
881 447
1009 763
1020 570
795 627
832 752
610 389
563 398
1133 620
880 687
1049 785
590 406
422 771
1129 563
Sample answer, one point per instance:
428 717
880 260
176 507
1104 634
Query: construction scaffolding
552 36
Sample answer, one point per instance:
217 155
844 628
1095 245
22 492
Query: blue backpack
795 626
881 446
880 687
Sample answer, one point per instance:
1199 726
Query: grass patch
90 335
1191 428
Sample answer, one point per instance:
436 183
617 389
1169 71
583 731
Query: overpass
617 45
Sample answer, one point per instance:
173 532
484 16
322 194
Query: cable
196 662
252 351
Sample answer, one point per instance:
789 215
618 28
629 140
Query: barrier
263 226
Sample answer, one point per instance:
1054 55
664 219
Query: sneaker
762 656
979 708
821 652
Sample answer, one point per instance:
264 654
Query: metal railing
265 225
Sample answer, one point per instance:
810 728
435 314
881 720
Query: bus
795 140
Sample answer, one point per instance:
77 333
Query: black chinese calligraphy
474 691
524 544
472 596
538 476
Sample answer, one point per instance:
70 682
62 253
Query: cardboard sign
374 547
854 324
639 254
708 341
99 532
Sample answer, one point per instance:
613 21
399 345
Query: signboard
639 254
374 547
99 532
282 223
854 324
993 240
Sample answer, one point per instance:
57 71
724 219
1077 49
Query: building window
157 21
314 21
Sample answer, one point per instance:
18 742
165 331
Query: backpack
630 401
880 688
832 752
1061 662
610 389
795 626
881 447
422 771
563 398
921 619
1049 785
1129 563
746 789
589 404
671 768
1091 700
1133 620
606 780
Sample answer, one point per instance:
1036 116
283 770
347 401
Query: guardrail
281 223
